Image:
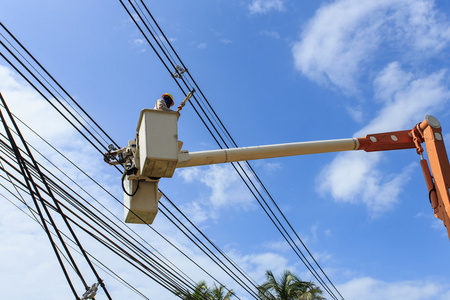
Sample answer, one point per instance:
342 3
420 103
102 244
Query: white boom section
201 158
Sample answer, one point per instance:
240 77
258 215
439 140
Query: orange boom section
438 180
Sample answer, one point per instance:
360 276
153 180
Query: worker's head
168 99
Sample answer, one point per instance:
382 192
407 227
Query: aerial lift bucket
158 143
141 199
157 156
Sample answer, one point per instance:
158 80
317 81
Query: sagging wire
52 79
294 246
31 186
38 89
61 195
33 217
67 187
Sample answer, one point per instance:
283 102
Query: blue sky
275 71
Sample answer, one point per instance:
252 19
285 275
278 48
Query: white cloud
279 246
226 191
404 98
29 106
370 289
226 41
265 6
259 263
355 178
344 42
356 113
345 35
138 42
267 166
272 34
222 180
352 176
189 174
202 45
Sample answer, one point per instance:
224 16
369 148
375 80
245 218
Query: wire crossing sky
175 289
145 16
275 71
304 259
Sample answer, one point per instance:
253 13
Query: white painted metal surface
158 143
142 207
262 152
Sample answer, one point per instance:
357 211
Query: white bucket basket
142 206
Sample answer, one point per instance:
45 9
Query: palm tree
201 291
312 292
288 287
217 293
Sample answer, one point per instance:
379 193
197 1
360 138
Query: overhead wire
29 81
177 83
41 175
32 187
32 214
60 191
218 121
25 77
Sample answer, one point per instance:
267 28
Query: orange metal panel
395 140
440 168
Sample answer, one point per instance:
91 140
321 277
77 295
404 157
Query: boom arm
428 131
158 154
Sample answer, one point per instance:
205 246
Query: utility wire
170 58
29 182
25 77
63 91
98 142
41 175
60 191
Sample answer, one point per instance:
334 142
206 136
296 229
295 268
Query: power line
36 88
170 60
212 120
36 196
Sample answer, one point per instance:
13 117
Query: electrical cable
26 79
68 210
177 83
49 181
84 212
41 175
197 88
32 216
29 182
59 85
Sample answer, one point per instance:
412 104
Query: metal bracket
91 292
179 71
